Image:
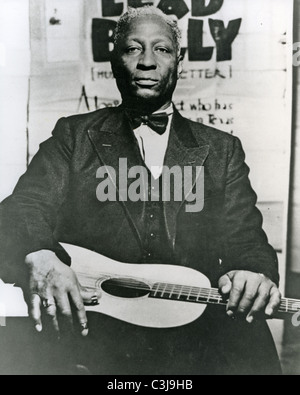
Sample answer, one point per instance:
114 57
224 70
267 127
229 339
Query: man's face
146 64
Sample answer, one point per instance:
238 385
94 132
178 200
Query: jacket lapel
113 140
183 150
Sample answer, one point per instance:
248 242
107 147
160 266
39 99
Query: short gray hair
134 13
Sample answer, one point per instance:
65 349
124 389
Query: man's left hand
250 294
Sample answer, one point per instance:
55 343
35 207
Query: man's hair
134 13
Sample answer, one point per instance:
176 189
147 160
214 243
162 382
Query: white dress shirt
153 146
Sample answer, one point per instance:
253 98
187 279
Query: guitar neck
208 296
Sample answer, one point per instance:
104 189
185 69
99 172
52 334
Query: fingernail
230 314
39 328
84 330
250 319
226 289
269 311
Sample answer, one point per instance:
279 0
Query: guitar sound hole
125 288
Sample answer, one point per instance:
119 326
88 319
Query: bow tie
157 122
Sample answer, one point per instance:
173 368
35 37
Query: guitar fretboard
208 296
187 294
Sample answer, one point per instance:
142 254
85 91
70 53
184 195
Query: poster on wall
232 50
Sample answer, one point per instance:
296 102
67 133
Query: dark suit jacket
56 200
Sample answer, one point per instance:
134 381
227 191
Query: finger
36 313
248 297
237 290
64 312
225 284
80 310
260 302
274 302
51 311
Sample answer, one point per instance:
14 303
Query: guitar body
95 272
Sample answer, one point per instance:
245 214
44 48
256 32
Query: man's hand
55 289
250 294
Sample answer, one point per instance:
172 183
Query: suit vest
156 248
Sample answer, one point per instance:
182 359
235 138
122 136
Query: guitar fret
164 290
160 290
156 291
172 291
181 289
192 294
203 298
209 295
187 292
195 291
177 291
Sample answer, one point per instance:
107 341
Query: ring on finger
47 304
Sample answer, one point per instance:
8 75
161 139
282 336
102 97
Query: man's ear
180 66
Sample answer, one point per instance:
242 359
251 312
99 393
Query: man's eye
132 50
162 50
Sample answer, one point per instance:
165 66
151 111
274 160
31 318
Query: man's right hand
55 289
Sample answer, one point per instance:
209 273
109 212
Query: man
55 201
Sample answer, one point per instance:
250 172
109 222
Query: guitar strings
209 294
173 289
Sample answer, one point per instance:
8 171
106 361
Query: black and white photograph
149 190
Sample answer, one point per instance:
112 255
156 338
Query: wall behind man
14 91
294 240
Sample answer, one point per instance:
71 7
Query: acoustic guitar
149 295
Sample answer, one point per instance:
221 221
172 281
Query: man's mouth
146 82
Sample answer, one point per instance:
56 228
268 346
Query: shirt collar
168 110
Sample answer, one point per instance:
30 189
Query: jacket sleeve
246 244
28 216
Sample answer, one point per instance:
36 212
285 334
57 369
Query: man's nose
147 60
